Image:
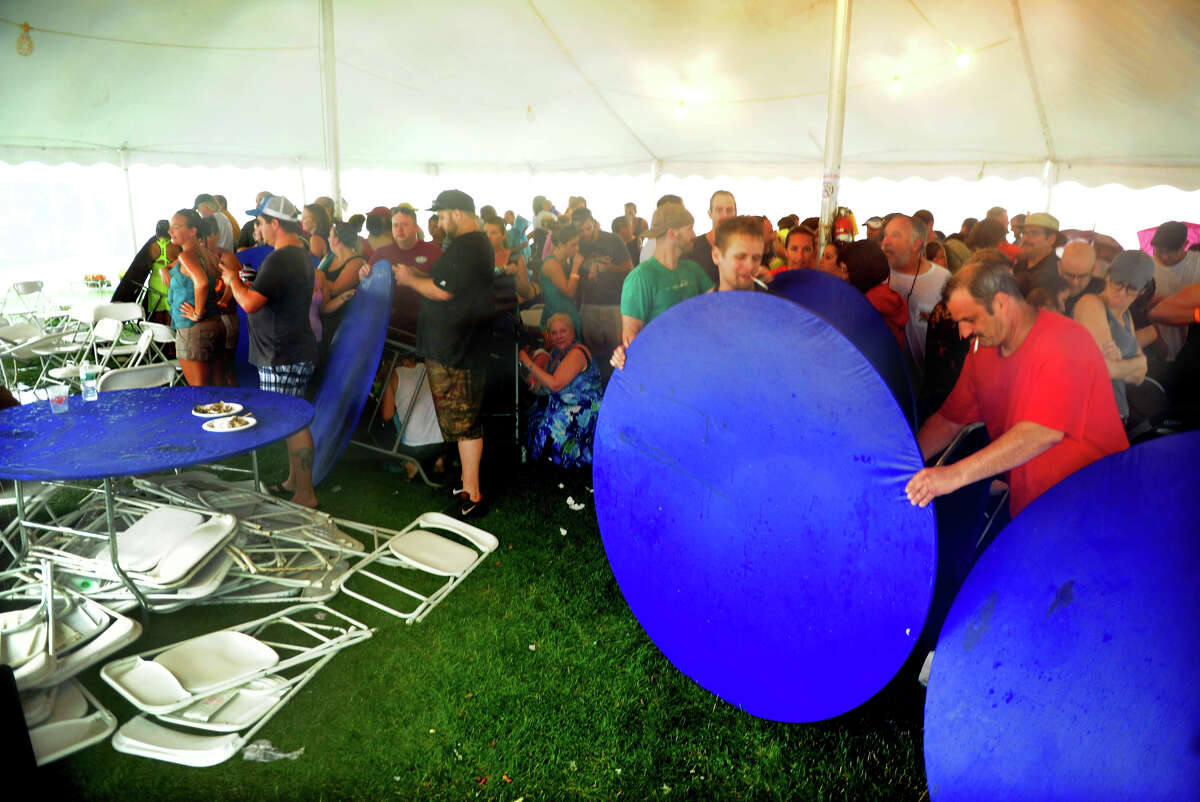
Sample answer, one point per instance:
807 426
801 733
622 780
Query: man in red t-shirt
406 249
1038 382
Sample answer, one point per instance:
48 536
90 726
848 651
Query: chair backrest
162 334
156 375
27 287
118 311
107 330
142 348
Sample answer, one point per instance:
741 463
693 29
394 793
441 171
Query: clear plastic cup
58 397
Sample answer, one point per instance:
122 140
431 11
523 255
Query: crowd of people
1066 348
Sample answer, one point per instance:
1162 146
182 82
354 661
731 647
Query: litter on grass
562 531
263 751
571 503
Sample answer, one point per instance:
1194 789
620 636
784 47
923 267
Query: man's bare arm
935 434
1018 445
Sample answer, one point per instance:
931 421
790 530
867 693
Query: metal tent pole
124 151
333 157
835 119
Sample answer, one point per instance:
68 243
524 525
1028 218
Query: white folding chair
173 677
442 548
27 296
60 723
159 374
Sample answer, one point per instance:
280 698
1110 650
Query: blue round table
130 432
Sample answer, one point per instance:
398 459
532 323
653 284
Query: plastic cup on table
58 397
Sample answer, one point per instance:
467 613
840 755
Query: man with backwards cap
454 332
282 344
663 280
1037 381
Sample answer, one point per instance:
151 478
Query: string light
681 110
529 115
897 85
962 60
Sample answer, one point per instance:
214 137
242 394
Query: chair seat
433 552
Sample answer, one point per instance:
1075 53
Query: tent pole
835 119
124 151
1049 180
333 157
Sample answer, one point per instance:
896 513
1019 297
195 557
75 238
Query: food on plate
213 409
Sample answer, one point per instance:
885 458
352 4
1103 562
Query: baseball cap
278 207
1048 222
453 199
1170 236
874 222
203 197
669 215
381 211
1134 268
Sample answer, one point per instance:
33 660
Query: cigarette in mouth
760 283
975 350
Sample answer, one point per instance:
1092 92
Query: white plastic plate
230 408
223 424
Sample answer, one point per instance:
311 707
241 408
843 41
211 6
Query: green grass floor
532 680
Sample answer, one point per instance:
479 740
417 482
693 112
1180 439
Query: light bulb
681 110
962 61
529 113
897 85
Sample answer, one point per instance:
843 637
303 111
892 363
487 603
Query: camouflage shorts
457 397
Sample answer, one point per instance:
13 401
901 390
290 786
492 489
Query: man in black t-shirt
282 344
606 263
721 207
454 331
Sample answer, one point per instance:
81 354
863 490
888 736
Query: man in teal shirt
666 278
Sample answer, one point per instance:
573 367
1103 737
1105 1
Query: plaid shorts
287 379
457 397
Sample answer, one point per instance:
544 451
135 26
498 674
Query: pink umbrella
1145 236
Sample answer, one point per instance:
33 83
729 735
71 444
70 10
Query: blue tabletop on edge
130 432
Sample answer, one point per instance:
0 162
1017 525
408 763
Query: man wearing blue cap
454 333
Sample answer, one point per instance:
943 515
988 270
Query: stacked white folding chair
211 694
57 634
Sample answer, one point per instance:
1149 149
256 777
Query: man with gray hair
207 206
914 278
1036 380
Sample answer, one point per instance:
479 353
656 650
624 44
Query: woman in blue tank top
199 335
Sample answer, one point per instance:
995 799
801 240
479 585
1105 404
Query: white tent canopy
1100 91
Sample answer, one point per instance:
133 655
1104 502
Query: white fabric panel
451 86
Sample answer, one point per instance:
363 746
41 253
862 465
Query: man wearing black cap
454 333
1175 267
